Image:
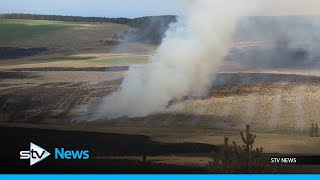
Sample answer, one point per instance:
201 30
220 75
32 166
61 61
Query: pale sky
105 8
138 8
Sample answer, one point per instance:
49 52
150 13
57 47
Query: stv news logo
37 154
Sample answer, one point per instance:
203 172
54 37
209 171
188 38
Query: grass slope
55 34
67 42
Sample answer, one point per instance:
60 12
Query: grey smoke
187 61
286 42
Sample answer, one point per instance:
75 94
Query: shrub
314 130
243 159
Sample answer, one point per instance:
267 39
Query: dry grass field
51 89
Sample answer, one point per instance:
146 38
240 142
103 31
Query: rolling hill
56 34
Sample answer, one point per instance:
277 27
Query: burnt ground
26 96
105 150
99 144
48 98
15 52
51 100
30 97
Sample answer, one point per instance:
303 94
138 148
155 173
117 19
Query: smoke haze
186 62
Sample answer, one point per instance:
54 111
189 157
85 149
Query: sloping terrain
270 102
269 85
56 34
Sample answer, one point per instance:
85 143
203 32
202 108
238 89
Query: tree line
140 22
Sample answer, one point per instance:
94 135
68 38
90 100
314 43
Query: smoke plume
186 62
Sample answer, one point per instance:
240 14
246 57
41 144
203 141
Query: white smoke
186 62
289 7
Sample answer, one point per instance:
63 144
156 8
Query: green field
69 43
55 34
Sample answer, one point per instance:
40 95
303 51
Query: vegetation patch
17 30
56 34
241 159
